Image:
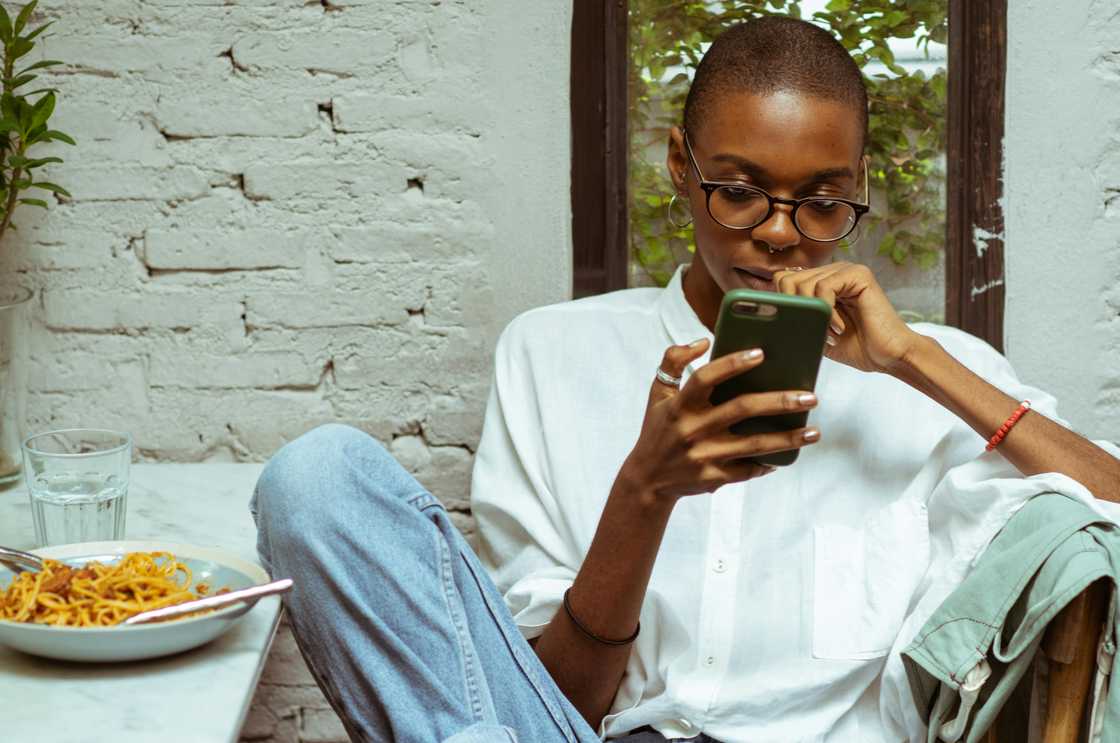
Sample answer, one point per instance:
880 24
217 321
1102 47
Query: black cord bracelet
591 635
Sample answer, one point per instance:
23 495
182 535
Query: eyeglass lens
819 219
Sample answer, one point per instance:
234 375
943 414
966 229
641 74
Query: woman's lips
763 273
752 278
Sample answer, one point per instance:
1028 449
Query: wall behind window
1062 210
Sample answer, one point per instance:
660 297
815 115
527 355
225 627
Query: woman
669 590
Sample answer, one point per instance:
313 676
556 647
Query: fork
19 561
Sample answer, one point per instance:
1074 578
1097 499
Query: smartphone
791 332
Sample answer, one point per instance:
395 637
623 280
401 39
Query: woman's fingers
743 471
731 446
751 405
673 363
823 283
699 387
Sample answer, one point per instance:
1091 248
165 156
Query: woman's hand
865 331
685 447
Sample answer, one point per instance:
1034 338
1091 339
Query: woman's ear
677 161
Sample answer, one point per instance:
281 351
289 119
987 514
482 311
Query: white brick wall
287 213
1061 180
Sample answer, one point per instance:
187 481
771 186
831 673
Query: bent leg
393 613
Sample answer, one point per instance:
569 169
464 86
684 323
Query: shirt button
720 565
710 661
686 724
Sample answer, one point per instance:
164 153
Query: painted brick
339 51
457 419
459 297
313 310
235 113
448 475
392 242
326 181
66 372
211 249
440 361
372 112
119 182
53 247
89 310
109 53
321 726
95 120
253 370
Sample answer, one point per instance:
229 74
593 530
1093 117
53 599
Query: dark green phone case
793 341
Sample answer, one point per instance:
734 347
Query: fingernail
830 340
752 355
811 435
807 398
698 343
835 328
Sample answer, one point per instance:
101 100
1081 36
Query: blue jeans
397 620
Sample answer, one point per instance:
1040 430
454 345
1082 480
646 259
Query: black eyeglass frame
710 187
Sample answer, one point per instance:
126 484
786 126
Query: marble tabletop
195 697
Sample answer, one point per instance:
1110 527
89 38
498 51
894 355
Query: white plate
211 565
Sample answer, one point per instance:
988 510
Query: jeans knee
296 481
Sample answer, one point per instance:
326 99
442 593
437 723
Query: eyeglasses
738 206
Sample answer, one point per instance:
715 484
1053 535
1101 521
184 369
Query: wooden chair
1070 644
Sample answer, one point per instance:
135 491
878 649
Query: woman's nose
778 232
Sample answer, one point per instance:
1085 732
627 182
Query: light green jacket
971 653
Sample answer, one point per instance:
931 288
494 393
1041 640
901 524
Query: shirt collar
680 320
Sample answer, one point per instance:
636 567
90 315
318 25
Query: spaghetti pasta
98 595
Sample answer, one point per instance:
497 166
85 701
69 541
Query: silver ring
666 378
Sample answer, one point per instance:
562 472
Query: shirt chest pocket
864 578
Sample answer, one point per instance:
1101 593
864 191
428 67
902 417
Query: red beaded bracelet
1008 424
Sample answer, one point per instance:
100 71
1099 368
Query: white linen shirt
773 604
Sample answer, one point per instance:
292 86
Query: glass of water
78 482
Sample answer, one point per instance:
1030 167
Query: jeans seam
523 662
466 645
422 500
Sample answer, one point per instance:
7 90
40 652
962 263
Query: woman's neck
702 293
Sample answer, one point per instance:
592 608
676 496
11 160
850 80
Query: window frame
974 265
600 56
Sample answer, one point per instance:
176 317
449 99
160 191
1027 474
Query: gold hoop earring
669 213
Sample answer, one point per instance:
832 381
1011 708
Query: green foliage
24 117
907 115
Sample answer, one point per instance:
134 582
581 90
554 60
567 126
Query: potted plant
25 112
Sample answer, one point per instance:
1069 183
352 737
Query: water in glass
73 507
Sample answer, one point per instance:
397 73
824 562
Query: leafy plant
907 115
23 117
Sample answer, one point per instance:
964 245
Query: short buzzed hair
770 54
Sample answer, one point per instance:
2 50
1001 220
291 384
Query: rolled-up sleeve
524 539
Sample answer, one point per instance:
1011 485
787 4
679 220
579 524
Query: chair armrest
1071 643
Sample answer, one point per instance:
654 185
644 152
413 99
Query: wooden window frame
974 266
974 269
600 215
